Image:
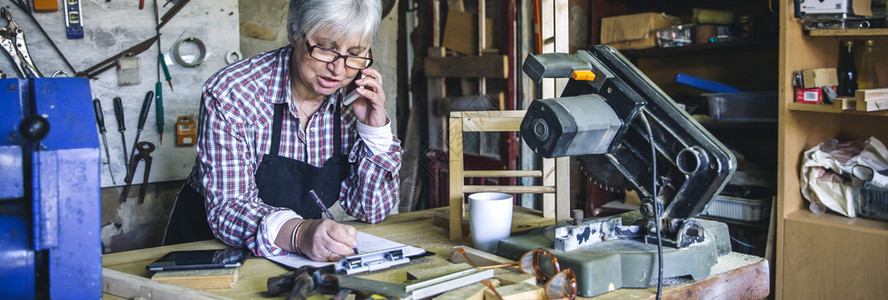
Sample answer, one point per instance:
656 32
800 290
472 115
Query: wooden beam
456 196
503 173
492 66
131 286
224 278
509 189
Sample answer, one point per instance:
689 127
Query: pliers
145 149
12 39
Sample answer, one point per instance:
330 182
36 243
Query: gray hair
344 18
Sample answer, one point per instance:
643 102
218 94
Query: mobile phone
351 91
200 259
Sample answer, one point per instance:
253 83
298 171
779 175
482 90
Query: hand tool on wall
145 149
27 9
103 66
73 19
46 5
158 113
12 39
143 116
100 120
158 89
171 13
121 126
141 4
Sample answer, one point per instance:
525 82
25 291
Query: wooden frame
555 174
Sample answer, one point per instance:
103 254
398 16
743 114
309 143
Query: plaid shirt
235 132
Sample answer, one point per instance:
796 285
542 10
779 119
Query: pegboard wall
111 27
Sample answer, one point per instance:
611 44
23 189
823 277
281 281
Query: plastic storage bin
756 106
872 202
738 208
675 36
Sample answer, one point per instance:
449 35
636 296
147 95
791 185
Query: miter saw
626 134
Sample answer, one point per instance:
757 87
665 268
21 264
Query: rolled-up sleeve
227 165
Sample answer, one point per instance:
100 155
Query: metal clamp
12 40
202 52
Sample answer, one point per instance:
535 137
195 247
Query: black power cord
647 126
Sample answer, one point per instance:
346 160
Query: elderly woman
273 129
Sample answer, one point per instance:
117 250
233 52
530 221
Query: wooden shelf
832 109
849 32
834 220
772 125
711 48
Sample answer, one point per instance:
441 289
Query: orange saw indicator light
586 75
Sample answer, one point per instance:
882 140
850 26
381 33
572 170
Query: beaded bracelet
293 237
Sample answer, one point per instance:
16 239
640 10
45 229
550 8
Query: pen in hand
324 208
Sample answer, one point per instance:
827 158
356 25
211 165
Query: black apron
282 182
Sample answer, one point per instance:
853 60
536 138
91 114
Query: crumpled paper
826 172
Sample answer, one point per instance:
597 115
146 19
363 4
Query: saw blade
600 170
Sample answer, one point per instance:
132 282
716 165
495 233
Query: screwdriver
100 120
121 126
158 99
143 116
159 86
166 71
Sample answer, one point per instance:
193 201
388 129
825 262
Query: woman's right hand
326 240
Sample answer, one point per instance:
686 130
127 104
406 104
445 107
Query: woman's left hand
370 107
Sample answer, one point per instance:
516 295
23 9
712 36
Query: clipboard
376 254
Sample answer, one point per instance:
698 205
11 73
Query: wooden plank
491 66
429 273
549 180
521 291
562 37
478 257
131 286
457 212
503 173
491 124
872 99
750 282
224 278
482 36
562 189
470 292
849 32
547 35
493 114
512 189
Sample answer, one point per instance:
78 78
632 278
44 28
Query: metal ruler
73 20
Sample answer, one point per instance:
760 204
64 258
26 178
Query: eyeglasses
560 284
329 56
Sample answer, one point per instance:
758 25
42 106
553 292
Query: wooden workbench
736 276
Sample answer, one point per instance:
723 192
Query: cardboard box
461 32
816 78
634 31
813 96
712 16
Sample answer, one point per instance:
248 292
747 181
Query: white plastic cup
490 217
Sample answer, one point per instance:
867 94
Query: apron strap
276 127
337 128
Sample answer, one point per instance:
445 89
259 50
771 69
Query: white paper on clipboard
367 243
